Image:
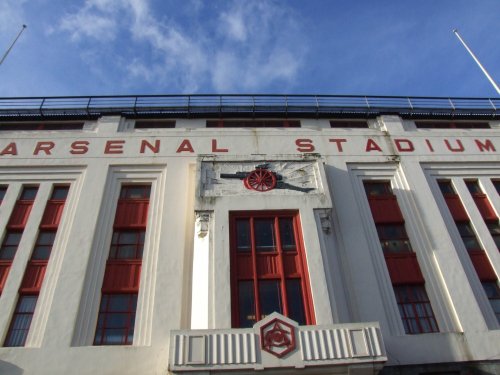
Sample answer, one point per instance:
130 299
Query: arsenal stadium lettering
239 145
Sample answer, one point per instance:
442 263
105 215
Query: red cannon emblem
262 179
277 337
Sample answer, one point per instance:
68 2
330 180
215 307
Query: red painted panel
20 214
291 265
132 213
484 206
33 277
4 272
385 210
404 269
456 208
267 266
122 276
482 265
52 214
245 267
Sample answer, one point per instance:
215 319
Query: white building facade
233 234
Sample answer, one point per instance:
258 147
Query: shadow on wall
7 368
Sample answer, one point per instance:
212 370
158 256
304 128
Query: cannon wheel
260 180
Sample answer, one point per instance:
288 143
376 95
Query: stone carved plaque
259 177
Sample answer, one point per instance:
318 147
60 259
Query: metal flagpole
12 45
477 61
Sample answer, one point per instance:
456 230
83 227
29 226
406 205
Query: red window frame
278 271
415 309
406 277
115 326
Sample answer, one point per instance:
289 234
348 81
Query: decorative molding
237 349
202 223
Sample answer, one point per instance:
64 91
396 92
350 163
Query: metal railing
245 105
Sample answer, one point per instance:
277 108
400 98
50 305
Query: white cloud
248 47
85 24
11 15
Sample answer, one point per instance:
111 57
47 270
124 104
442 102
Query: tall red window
15 228
35 271
407 279
487 212
116 319
477 255
268 268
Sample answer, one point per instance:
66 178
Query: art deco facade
233 234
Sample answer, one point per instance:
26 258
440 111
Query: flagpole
477 61
12 45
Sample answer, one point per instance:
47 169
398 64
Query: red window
35 271
452 125
348 123
253 124
462 221
21 321
486 210
154 124
415 309
406 278
493 293
268 268
478 256
115 324
41 126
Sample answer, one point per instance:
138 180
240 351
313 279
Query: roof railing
245 105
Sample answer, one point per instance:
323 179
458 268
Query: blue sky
111 47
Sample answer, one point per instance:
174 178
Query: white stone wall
349 281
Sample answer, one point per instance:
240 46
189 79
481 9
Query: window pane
12 238
135 192
3 190
269 297
118 302
446 187
264 234
465 229
29 193
116 319
415 309
246 304
243 235
473 187
382 188
60 192
287 236
295 301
